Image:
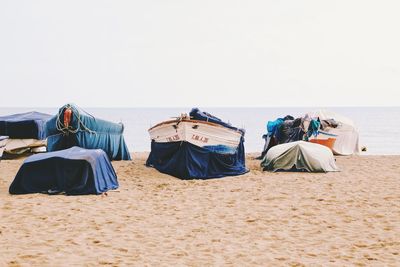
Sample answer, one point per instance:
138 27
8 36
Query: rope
76 114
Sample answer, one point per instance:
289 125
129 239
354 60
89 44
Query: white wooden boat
196 132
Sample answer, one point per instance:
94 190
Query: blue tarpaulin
196 114
75 171
88 132
29 125
188 161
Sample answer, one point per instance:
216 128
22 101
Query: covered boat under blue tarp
29 125
187 161
79 128
201 147
75 171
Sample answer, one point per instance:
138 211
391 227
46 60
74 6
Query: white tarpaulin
347 140
299 155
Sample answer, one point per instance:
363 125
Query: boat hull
325 139
199 133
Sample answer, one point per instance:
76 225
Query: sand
261 218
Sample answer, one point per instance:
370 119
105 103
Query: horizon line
164 107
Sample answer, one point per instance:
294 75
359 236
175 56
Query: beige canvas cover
347 139
20 146
299 155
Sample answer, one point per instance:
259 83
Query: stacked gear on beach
23 133
73 126
74 171
322 127
283 130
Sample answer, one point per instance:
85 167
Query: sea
378 126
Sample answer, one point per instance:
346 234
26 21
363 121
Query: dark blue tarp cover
29 125
88 132
75 171
187 161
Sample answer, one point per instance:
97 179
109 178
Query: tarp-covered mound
187 161
75 171
316 125
345 131
79 128
299 155
30 125
283 130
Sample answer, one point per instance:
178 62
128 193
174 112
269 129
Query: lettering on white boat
173 138
200 138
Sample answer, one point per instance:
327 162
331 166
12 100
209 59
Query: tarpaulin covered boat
73 126
299 156
327 128
197 146
74 171
25 131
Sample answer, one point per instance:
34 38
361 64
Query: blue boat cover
29 125
88 132
75 171
187 161
196 114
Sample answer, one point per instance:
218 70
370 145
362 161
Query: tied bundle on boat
73 126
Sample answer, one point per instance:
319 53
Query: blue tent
188 161
86 131
29 125
75 171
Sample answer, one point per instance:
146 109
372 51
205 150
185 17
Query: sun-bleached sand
347 218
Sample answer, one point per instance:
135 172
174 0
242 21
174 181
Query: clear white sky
199 53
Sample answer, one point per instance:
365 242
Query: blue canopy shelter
186 160
75 171
29 125
74 127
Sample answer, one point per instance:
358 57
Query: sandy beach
266 219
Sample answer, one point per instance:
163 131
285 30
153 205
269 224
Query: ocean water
378 126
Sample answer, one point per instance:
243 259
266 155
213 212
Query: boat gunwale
194 121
